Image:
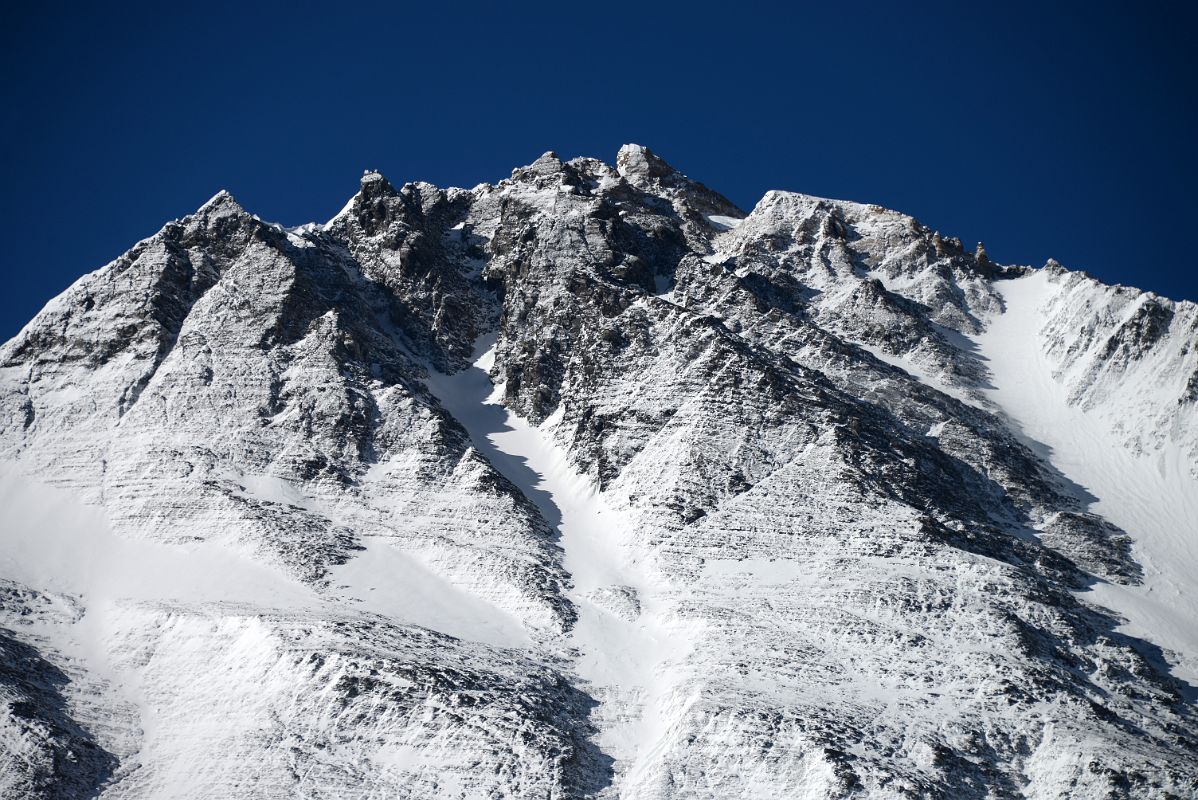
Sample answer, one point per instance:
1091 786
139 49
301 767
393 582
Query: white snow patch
918 372
51 541
758 571
723 223
388 581
271 489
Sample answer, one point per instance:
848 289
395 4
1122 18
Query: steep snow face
589 484
228 398
1088 418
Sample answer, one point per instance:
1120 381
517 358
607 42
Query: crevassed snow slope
621 641
1152 497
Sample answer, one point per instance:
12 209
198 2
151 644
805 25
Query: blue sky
1063 130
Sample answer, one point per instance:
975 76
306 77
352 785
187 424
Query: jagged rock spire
222 200
375 185
547 164
636 163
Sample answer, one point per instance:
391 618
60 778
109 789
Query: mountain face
589 484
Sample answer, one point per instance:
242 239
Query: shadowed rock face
50 754
867 577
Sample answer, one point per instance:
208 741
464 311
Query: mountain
590 484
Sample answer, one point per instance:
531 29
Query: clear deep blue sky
1064 131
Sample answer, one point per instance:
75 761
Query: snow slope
1151 495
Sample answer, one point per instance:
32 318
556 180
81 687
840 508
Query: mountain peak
547 164
636 162
222 200
579 486
374 185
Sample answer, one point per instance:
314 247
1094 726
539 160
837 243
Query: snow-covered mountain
589 484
